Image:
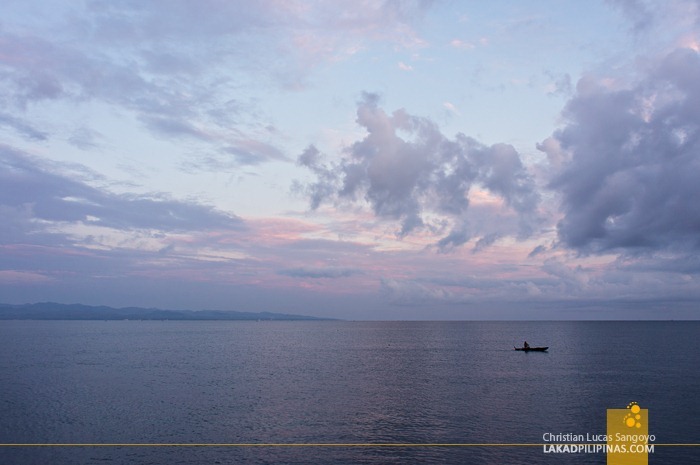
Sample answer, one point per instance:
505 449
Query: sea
338 392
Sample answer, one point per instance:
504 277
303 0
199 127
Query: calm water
338 382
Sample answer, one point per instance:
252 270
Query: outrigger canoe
532 349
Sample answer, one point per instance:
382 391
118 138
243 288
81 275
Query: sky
358 159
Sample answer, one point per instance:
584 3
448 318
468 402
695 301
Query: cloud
316 273
408 292
169 127
451 108
176 67
559 84
537 251
35 194
457 43
165 54
661 25
254 152
484 242
13 277
467 289
408 171
637 11
22 127
61 232
85 138
456 238
629 161
464 45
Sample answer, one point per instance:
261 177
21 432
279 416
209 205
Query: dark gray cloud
689 265
36 193
456 238
536 251
406 169
630 161
485 241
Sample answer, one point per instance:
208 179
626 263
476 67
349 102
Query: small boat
532 349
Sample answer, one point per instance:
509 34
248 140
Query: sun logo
633 419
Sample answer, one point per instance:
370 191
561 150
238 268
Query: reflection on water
337 382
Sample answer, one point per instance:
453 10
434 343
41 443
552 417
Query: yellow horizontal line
676 445
394 445
270 445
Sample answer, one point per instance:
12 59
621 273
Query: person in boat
526 345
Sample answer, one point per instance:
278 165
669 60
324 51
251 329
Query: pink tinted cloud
23 277
423 180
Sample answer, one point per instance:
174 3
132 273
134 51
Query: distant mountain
55 311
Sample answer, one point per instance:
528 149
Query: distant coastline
57 311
